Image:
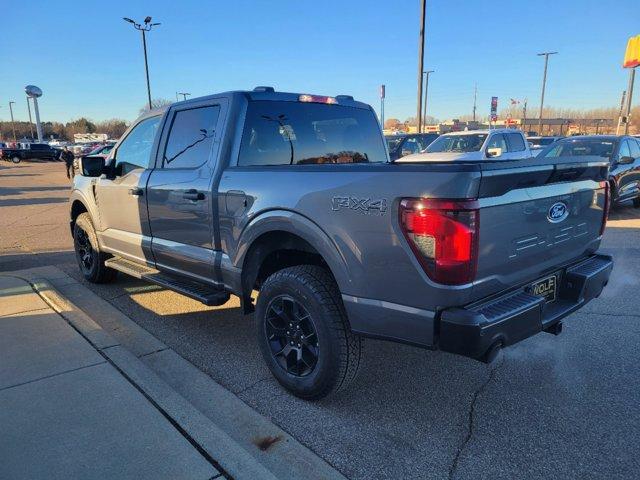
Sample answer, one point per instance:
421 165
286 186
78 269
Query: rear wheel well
271 252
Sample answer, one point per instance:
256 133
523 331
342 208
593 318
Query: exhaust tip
492 353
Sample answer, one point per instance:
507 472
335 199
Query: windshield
393 142
567 148
290 133
458 143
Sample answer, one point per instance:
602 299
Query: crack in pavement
472 411
243 390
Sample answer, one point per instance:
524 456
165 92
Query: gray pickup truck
293 197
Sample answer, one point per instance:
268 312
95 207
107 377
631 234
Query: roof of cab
270 94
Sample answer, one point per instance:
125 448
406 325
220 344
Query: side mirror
625 160
91 166
494 152
406 152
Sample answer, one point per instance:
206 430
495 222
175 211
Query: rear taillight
443 235
607 205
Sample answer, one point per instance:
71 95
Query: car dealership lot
550 407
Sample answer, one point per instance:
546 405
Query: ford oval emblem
558 212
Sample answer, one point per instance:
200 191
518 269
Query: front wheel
303 332
15 159
90 258
636 202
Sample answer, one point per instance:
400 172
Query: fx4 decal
365 206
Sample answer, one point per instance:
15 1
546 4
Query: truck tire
15 159
636 202
90 258
304 334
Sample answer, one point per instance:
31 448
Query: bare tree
156 103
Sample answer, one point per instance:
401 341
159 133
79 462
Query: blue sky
88 61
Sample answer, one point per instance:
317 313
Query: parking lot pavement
550 407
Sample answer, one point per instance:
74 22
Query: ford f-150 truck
30 151
293 197
473 145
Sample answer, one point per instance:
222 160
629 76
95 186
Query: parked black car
623 153
409 143
30 151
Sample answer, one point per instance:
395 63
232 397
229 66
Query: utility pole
383 94
184 95
524 116
624 95
144 28
423 8
475 100
13 124
30 120
544 82
632 77
426 92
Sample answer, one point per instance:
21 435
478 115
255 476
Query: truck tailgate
535 219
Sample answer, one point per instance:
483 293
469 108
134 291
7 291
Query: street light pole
13 125
421 62
144 29
426 92
544 82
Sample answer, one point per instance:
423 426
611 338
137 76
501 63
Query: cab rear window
297 133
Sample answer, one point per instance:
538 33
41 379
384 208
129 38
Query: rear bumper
476 330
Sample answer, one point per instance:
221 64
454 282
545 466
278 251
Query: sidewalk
66 411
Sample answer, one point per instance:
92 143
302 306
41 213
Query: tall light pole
184 95
544 82
421 62
144 29
475 100
13 125
426 92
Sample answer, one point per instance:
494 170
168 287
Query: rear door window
191 137
299 133
516 142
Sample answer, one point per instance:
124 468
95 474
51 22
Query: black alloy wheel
84 250
292 336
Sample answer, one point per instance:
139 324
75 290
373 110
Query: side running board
206 294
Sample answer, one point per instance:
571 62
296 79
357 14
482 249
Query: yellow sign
632 55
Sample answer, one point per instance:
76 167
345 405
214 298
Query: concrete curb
244 443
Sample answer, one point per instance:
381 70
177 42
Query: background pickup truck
29 151
473 145
293 196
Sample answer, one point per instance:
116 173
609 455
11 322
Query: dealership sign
632 54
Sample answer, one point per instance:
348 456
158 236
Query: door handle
136 192
193 195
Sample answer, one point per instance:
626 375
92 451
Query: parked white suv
503 144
